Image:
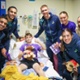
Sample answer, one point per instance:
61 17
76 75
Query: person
3 24
78 27
25 63
70 46
12 21
11 27
51 25
63 15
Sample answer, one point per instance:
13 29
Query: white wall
76 10
27 7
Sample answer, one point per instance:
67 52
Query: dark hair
67 29
28 34
12 7
64 12
3 17
62 43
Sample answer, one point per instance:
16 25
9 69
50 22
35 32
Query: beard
9 17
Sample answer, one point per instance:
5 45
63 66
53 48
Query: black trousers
2 58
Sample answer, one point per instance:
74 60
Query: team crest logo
75 50
52 22
14 23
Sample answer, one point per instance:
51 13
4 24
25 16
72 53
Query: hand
60 37
75 69
3 51
56 45
20 54
27 52
20 39
36 40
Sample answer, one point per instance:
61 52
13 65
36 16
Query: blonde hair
44 5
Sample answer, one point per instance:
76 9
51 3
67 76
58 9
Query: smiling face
63 18
28 38
3 23
45 11
12 12
67 37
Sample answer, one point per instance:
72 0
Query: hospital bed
42 57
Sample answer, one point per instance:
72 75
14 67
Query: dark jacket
52 28
72 50
11 28
2 35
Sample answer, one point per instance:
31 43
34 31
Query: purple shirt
36 48
71 25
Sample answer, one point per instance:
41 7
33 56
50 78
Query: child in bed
25 63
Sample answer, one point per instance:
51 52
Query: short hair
3 17
28 34
12 7
64 12
44 5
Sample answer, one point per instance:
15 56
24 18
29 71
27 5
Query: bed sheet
42 57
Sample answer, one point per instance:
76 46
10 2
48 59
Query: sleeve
2 35
15 32
78 70
59 29
73 27
39 48
41 29
78 47
1 45
22 48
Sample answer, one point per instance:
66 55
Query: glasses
44 10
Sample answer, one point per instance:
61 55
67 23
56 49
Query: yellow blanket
10 72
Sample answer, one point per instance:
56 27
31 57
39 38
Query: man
11 27
3 24
51 25
12 21
78 27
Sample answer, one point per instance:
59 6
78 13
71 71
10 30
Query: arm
78 47
41 29
3 50
40 43
20 55
59 29
73 27
15 32
75 54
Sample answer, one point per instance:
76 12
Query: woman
70 47
65 22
